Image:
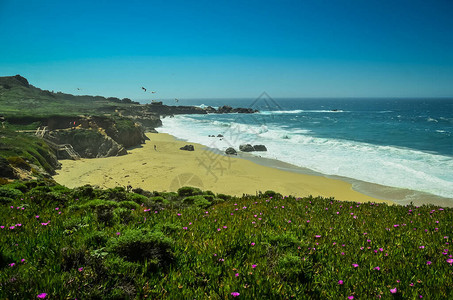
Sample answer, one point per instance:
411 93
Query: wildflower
237 274
42 295
422 247
12 227
340 282
342 253
317 236
351 297
393 291
235 294
2 227
355 265
179 214
411 284
221 259
253 244
12 264
57 208
253 266
450 261
377 268
225 227
37 217
218 229
19 225
118 233
80 269
428 262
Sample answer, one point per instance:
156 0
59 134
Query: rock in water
187 148
260 148
231 151
246 148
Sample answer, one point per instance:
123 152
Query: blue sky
222 49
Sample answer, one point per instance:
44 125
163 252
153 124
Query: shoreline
169 168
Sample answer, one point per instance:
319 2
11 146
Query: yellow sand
169 168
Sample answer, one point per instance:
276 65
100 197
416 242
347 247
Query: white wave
298 111
386 165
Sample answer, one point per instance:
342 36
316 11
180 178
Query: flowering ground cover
58 243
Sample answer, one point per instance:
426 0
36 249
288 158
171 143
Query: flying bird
143 89
176 100
153 92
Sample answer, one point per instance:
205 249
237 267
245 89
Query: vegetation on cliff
88 243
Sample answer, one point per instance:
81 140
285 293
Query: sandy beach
167 168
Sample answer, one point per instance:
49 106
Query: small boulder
187 148
260 148
246 148
231 151
219 135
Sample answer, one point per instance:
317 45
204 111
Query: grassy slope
19 146
180 247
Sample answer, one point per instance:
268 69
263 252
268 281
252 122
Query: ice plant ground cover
114 244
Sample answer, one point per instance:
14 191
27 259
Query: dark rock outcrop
231 151
259 148
6 170
219 135
246 148
187 148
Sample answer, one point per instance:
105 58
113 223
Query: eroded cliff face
93 137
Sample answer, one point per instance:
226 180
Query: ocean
401 143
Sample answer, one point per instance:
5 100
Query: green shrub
129 204
97 202
141 245
198 200
268 194
189 191
137 198
18 185
118 194
223 196
96 240
208 193
170 196
86 191
8 192
123 214
105 215
5 200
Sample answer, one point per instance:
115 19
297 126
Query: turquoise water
404 143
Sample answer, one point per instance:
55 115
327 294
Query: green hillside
57 243
19 98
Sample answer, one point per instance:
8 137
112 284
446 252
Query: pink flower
342 253
57 208
185 228
340 282
22 260
450 261
377 268
37 217
237 274
253 244
393 291
42 296
428 262
235 294
422 247
118 233
224 227
218 229
44 224
351 297
355 265
253 266
12 264
80 269
317 236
